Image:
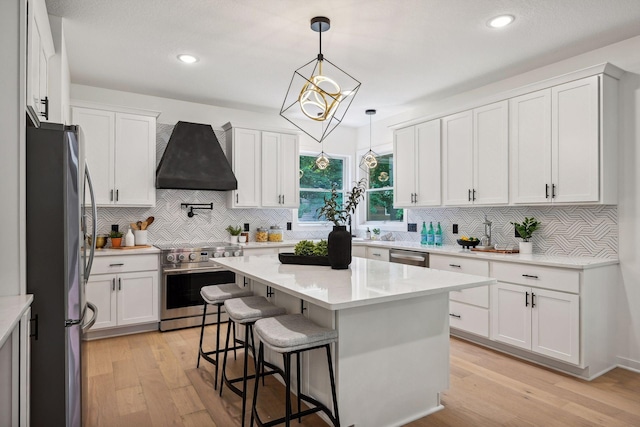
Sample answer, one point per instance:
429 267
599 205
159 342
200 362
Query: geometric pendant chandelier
319 91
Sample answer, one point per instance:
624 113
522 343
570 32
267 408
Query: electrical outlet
412 226
246 226
288 226
455 228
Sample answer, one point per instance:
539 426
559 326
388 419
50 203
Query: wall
12 161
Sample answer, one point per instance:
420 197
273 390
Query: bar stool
245 311
288 335
217 295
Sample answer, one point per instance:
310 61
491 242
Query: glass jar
262 235
275 234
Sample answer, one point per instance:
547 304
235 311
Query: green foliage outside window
315 185
380 194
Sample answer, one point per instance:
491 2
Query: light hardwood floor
151 380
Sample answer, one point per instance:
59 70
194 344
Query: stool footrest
319 407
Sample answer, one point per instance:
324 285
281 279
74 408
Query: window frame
346 179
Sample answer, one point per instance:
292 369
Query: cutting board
497 251
133 247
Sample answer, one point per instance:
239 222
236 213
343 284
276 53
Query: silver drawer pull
457 316
116 265
529 276
454 265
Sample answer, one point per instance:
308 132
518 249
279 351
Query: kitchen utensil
150 220
139 224
144 226
134 226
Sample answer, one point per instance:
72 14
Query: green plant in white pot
525 230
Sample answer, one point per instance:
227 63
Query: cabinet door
511 314
101 291
457 158
404 177
555 328
135 160
289 167
491 154
137 297
33 60
97 133
271 195
427 167
530 146
575 140
245 158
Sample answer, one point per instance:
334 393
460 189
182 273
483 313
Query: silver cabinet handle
236 197
283 199
375 254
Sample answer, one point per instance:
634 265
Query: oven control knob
217 255
192 257
227 254
182 257
236 253
171 257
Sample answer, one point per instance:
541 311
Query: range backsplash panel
565 230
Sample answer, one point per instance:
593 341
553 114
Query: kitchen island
392 354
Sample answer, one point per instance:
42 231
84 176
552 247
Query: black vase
339 247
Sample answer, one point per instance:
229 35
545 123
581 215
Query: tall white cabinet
416 154
120 149
39 49
266 165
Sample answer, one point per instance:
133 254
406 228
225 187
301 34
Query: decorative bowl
101 241
466 244
291 258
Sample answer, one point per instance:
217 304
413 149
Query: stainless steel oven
185 270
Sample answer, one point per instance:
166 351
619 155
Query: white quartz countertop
255 245
365 282
11 310
136 251
456 250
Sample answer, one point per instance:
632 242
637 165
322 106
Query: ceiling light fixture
370 159
501 21
187 59
322 91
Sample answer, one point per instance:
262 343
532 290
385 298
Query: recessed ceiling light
501 21
187 59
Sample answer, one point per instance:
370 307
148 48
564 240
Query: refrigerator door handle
94 223
93 319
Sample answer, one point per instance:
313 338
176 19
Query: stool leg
244 378
224 360
287 381
204 316
333 386
298 384
235 355
254 410
215 382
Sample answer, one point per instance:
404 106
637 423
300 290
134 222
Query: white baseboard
630 364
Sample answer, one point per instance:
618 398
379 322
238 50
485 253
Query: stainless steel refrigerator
58 266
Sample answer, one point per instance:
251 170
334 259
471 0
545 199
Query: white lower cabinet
128 297
359 251
380 254
543 321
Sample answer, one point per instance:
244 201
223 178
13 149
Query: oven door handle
191 270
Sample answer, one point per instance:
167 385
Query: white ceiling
402 51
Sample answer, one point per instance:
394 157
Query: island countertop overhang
366 282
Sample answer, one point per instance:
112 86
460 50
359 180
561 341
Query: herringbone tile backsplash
573 230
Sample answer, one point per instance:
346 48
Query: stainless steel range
185 269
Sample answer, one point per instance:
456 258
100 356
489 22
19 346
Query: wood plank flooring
151 380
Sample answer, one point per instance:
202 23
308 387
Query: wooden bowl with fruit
468 242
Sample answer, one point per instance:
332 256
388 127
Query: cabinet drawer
124 264
477 267
469 318
476 296
378 253
558 279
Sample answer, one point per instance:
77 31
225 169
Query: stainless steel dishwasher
421 259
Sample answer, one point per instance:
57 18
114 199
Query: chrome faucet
486 239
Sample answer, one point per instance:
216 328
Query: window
315 185
380 193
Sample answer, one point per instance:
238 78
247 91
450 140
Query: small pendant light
370 159
322 161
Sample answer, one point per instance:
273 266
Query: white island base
392 355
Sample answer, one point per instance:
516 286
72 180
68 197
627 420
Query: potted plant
339 240
525 230
376 234
116 238
235 232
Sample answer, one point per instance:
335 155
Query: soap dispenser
129 239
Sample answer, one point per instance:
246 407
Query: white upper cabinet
416 153
39 49
120 149
280 165
475 156
563 143
266 166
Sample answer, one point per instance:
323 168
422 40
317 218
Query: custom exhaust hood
194 160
